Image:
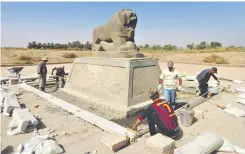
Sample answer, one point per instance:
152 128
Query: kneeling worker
60 73
161 114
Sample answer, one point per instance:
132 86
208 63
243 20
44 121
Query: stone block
23 121
120 84
161 143
24 117
10 103
205 143
114 141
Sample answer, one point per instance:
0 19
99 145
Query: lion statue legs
105 46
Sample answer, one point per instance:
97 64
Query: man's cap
45 58
215 69
170 64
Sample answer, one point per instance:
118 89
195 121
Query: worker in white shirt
168 83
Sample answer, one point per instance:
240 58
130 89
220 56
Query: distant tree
202 45
39 45
140 46
34 45
44 46
147 46
215 44
191 46
51 45
88 46
29 46
169 47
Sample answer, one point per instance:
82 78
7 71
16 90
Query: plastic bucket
186 117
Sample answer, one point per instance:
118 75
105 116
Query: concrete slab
10 103
114 141
161 143
205 143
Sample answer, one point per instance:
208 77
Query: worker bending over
60 73
161 114
42 73
168 83
203 79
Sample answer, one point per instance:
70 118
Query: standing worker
42 73
161 114
169 78
60 73
203 79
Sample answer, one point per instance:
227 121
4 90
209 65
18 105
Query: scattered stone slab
235 112
10 103
237 81
114 141
161 143
41 145
227 147
241 89
205 143
23 121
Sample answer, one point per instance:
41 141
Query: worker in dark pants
42 73
60 73
203 79
161 114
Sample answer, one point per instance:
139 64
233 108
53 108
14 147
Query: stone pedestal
121 84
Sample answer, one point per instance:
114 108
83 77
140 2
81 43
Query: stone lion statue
117 34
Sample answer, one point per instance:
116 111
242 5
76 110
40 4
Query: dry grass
69 55
217 50
215 59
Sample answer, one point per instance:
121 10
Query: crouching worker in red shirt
161 114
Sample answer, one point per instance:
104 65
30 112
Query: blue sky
160 23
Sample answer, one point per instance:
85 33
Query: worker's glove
179 88
159 87
135 127
39 76
218 82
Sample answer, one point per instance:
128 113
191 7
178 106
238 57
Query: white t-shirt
170 79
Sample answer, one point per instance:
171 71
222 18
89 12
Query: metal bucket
186 117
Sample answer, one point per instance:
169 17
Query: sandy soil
83 137
234 58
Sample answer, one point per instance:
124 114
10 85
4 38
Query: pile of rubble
23 121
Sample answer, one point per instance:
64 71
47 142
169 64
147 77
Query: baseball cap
170 64
215 69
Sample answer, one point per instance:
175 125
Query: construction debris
41 145
204 143
198 114
23 121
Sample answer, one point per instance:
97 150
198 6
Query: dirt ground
234 58
82 137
